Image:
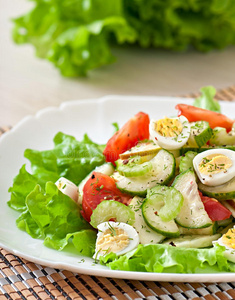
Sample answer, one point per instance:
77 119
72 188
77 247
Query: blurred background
28 83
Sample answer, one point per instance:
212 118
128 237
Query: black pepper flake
172 244
93 176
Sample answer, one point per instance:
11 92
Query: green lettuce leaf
23 184
70 158
77 36
206 100
84 241
56 218
46 213
164 258
74 35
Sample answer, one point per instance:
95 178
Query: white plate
76 118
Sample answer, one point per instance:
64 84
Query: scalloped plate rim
101 270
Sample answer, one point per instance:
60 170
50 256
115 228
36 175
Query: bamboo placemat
21 279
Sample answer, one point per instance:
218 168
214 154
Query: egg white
171 143
131 232
229 252
68 188
219 178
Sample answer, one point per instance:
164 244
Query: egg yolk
215 163
228 239
168 127
112 240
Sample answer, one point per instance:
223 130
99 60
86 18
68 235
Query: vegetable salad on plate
158 197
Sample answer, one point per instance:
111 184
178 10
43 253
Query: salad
158 197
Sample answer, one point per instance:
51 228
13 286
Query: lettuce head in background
77 35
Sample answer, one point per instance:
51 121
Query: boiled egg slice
228 241
170 133
115 237
215 167
68 188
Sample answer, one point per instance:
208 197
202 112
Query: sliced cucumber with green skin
200 134
225 229
150 209
172 199
224 191
175 152
133 167
185 149
146 234
192 214
201 231
193 241
230 205
186 161
162 173
109 209
225 223
221 137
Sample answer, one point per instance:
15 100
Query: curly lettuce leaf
23 184
47 213
84 241
77 36
56 218
206 100
176 25
164 258
70 158
74 35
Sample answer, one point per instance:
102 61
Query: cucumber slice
200 231
172 199
192 214
224 191
175 152
148 148
225 223
230 205
186 161
150 210
162 173
185 149
221 137
109 209
133 167
225 230
200 134
146 234
193 241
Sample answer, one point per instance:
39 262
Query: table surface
28 84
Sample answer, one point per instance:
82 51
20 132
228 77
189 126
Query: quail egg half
170 133
228 241
115 237
215 167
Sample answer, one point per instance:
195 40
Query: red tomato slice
100 187
214 119
135 130
215 210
